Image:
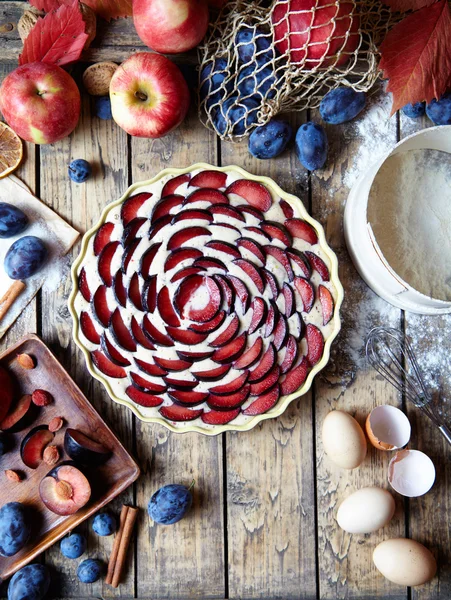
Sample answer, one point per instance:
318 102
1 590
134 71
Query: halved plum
306 292
147 386
287 209
198 298
120 292
180 255
121 332
165 205
318 265
135 293
139 336
226 210
281 257
149 294
211 325
105 366
253 247
206 195
186 336
180 413
295 377
229 401
327 303
150 368
232 386
113 353
302 230
128 255
7 392
230 351
34 444
209 179
64 490
170 364
143 398
83 285
265 365
261 387
131 206
291 353
264 403
105 262
300 262
166 309
315 344
259 311
102 237
241 292
250 356
216 417
188 397
154 334
288 300
215 374
225 247
84 450
185 235
228 334
100 306
256 194
193 214
20 414
172 184
276 231
147 259
252 272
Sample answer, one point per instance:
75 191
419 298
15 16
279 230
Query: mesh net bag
260 59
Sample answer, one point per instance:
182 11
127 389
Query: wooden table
263 522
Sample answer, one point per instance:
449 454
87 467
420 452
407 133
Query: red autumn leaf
111 9
416 56
405 5
58 38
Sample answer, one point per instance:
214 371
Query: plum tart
206 297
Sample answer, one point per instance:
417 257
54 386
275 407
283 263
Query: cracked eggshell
366 510
405 562
388 428
411 473
343 440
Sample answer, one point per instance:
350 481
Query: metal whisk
392 356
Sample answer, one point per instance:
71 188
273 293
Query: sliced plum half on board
7 391
65 490
21 413
34 444
84 450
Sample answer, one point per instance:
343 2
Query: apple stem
192 485
141 95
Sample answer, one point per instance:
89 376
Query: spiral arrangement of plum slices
205 297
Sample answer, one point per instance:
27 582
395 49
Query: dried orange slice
11 150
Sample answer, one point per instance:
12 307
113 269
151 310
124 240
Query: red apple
308 38
41 102
171 26
149 96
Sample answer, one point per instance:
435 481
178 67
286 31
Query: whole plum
439 111
239 113
170 504
270 140
25 257
414 111
30 583
311 146
14 528
12 220
341 105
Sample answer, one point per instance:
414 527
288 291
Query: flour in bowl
409 210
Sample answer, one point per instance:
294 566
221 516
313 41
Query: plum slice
276 231
254 212
288 300
251 355
206 195
229 401
265 384
214 374
266 363
228 334
194 356
315 344
252 272
147 386
121 333
220 226
7 392
166 309
211 325
100 306
224 247
271 282
180 255
259 311
241 292
134 292
139 336
180 413
105 261
226 210
228 292
105 366
131 206
83 285
170 364
281 257
210 263
149 294
318 265
154 334
150 369
295 377
165 205
171 186
209 179
253 247
158 225
131 231
232 386
102 237
185 235
65 490
120 292
299 260
216 417
190 214
84 450
258 231
147 259
188 397
256 194
287 209
327 303
306 292
143 398
128 255
186 272
291 353
180 384
113 353
186 336
272 318
198 298
33 445
264 403
302 230
230 351
19 415
280 332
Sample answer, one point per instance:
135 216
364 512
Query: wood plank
104 145
186 559
270 479
431 340
114 41
346 569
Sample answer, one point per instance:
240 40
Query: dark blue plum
12 220
256 83
252 41
270 140
14 528
104 524
212 76
25 257
341 105
90 570
80 170
30 583
440 111
103 108
234 111
414 111
73 546
311 145
170 504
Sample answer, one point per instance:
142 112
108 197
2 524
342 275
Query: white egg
405 562
388 428
366 510
411 473
343 440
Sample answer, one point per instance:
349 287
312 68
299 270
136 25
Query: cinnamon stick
130 520
117 542
12 293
